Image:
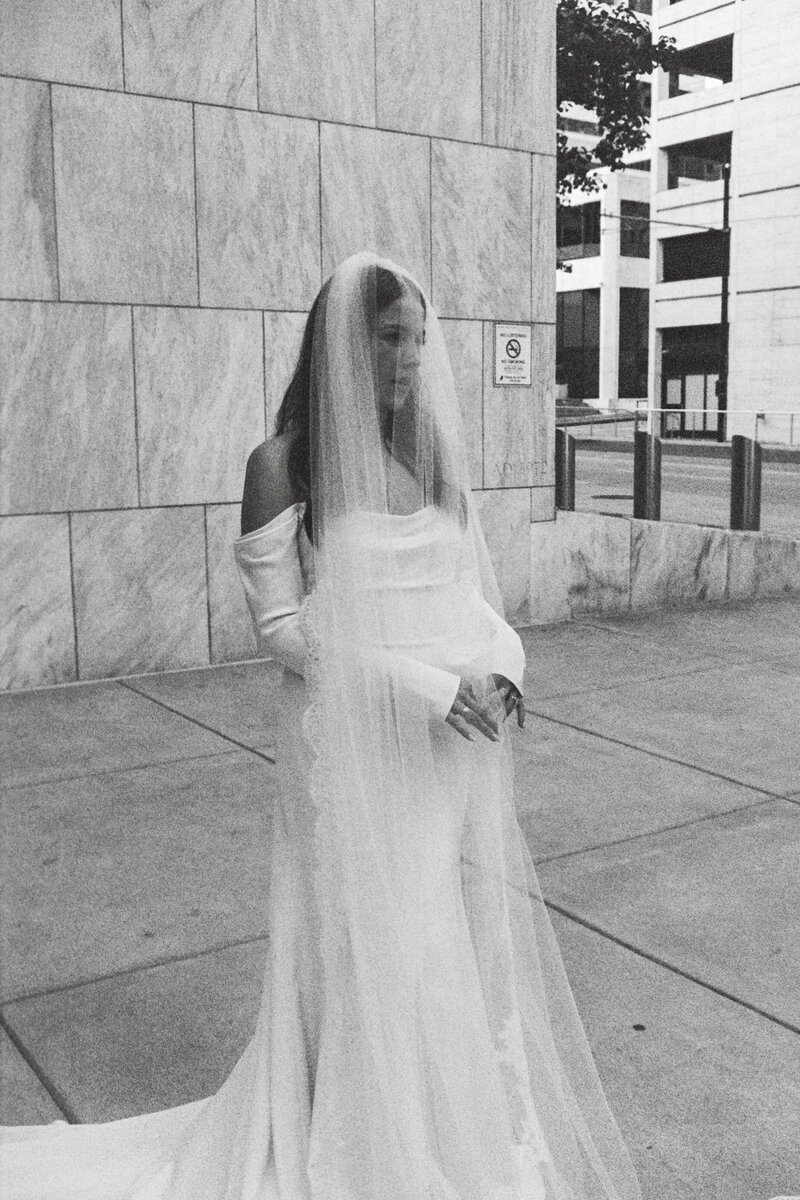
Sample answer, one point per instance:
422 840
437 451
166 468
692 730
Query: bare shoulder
267 487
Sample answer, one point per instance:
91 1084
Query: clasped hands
469 711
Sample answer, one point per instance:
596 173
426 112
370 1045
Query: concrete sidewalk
659 791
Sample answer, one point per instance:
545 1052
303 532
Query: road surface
696 490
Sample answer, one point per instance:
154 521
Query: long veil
440 1077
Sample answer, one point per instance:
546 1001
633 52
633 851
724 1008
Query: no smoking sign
512 355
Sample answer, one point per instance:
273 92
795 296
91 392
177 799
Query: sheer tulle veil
416 1122
451 1062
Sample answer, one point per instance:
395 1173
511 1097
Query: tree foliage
602 50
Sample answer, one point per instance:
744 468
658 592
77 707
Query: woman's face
401 333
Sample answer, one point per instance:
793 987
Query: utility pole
722 382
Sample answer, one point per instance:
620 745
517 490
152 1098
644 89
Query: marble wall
590 563
176 182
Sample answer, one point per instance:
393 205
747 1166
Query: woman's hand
469 712
512 697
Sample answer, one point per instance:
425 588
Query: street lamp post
722 381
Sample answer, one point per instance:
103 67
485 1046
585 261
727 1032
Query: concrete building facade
177 182
602 302
602 308
735 98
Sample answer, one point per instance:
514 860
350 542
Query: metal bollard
745 482
565 470
646 476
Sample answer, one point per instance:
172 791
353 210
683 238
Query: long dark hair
399 430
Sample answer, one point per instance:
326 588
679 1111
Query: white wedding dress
262 1136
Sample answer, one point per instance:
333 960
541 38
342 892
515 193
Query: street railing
692 422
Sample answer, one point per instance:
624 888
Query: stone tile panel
67 425
364 205
481 232
37 638
79 42
598 551
28 262
192 50
674 563
283 334
465 350
543 500
124 197
548 580
429 67
760 565
543 235
200 402
332 44
518 76
140 590
505 520
258 209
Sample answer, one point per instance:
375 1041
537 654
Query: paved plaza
658 785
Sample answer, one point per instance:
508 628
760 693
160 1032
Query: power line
655 221
690 224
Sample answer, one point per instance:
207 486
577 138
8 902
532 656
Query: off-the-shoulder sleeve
508 653
269 568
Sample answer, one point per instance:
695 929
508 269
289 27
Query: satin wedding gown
262 1136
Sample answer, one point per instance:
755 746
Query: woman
417 1037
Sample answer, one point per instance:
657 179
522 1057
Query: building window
694 256
578 230
700 67
578 341
575 125
634 314
644 90
634 229
698 161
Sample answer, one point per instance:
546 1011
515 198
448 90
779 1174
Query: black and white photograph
399 599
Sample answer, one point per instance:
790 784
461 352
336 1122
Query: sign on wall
512 355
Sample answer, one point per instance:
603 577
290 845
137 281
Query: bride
417 1037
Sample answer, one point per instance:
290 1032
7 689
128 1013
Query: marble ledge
760 564
676 563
